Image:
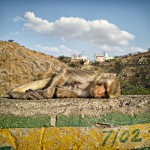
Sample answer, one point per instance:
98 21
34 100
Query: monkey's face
100 91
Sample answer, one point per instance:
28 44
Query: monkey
71 83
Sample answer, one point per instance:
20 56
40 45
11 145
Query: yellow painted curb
124 137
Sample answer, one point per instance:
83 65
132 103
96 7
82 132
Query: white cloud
13 34
57 51
136 49
101 34
37 24
122 50
98 32
48 49
18 19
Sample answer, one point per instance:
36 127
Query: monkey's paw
32 94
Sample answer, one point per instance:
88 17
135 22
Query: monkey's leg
36 88
23 92
58 80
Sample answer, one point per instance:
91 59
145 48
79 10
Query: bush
10 40
133 89
117 67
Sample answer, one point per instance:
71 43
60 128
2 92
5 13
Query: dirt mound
19 65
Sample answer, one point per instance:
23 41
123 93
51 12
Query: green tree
118 67
10 40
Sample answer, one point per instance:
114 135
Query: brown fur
71 83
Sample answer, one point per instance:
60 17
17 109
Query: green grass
24 122
117 119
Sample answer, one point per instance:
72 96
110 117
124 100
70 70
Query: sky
75 27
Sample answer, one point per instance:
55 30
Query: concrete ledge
76 106
127 137
80 112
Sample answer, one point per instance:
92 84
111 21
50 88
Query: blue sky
68 27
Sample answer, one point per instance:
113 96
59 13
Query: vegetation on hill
134 71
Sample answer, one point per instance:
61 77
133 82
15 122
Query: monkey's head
106 88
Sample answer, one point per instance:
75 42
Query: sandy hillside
19 65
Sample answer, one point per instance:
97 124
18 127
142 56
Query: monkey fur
70 83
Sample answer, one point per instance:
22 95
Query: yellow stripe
9 138
41 139
124 137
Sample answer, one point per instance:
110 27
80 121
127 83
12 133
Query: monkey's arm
63 92
21 92
57 80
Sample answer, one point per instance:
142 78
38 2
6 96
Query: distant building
85 59
102 58
107 57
